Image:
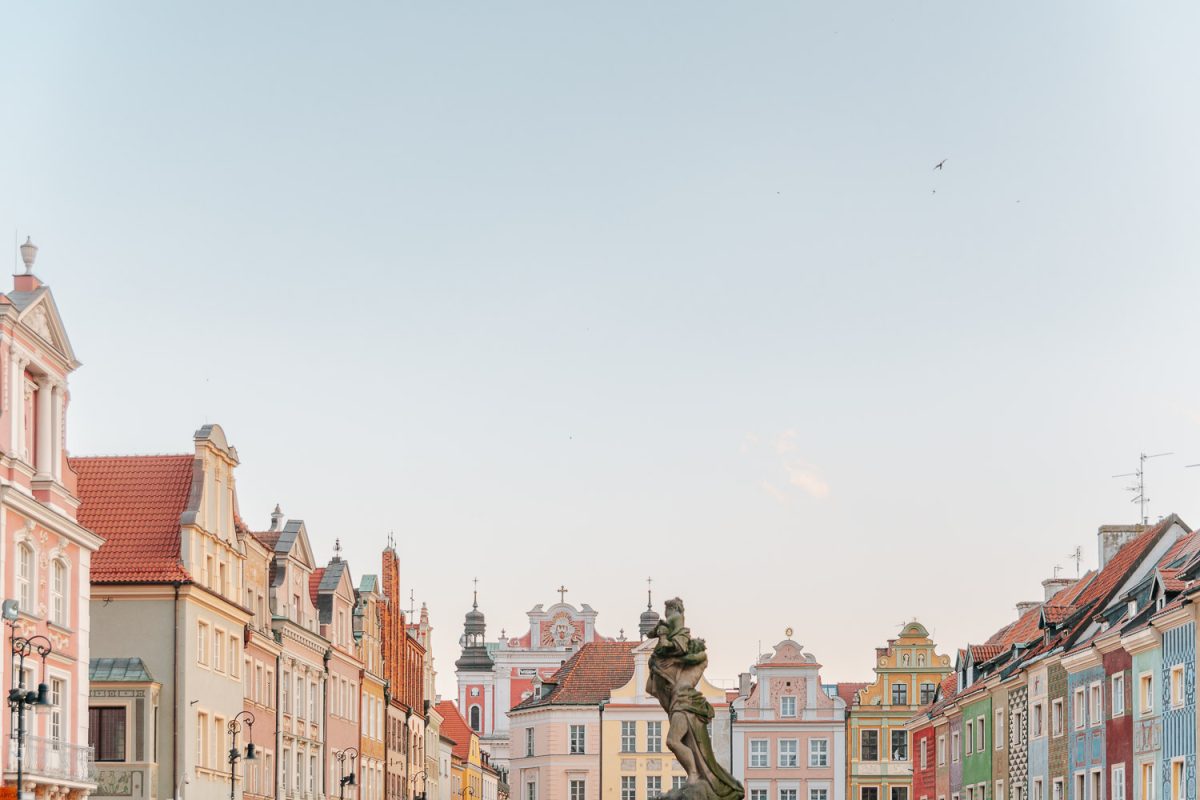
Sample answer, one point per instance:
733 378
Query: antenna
1139 486
1057 569
1075 555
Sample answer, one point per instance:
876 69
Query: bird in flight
940 163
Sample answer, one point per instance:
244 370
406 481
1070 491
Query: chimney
1113 537
1054 585
744 684
1025 606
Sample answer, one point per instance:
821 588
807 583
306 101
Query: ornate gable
41 318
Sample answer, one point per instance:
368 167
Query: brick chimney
1112 538
1025 606
1054 585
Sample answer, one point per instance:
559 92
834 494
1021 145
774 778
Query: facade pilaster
45 424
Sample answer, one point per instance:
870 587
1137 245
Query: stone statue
676 666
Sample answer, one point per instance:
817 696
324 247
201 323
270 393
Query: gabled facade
368 636
332 589
260 665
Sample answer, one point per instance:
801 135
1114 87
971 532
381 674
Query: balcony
47 758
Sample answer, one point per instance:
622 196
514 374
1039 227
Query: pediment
41 318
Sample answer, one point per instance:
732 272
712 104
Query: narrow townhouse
332 591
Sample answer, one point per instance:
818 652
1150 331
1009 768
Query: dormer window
1132 608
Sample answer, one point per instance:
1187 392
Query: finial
649 599
621 635
276 518
337 549
29 252
788 632
475 594
503 635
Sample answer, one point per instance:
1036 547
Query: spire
475 657
649 618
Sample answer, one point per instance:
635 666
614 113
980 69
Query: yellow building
907 674
368 636
466 765
634 752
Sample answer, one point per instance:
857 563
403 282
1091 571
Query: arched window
920 659
475 718
25 578
58 592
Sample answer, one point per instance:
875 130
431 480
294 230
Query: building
300 683
466 760
332 591
368 636
557 728
789 738
404 667
494 677
261 663
167 588
634 752
48 551
907 673
125 702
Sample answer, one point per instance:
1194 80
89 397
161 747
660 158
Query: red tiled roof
134 502
848 691
946 693
314 583
456 729
589 676
1057 613
985 652
268 538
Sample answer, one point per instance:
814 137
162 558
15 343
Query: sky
581 294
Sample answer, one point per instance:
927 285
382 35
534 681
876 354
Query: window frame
100 751
1117 691
818 752
788 747
862 744
760 760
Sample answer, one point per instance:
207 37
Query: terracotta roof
456 729
134 502
314 583
588 677
1057 613
268 538
985 652
848 691
946 693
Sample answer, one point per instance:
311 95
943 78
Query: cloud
806 478
789 474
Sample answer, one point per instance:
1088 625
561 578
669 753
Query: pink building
789 739
47 553
333 594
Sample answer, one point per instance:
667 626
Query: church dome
647 621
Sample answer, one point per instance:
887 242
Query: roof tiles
589 676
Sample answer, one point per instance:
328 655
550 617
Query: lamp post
20 698
603 703
235 755
346 780
413 781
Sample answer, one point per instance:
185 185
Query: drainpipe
278 714
175 779
325 725
387 703
603 703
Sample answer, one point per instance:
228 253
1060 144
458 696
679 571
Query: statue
676 666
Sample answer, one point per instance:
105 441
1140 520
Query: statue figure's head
674 606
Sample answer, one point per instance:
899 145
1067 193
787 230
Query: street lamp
235 755
345 780
19 698
413 781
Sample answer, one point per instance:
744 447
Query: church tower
475 670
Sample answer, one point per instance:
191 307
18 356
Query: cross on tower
649 586
475 593
562 593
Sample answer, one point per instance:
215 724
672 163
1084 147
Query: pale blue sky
550 289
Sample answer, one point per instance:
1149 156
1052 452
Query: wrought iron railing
53 759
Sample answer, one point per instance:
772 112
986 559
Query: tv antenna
1139 485
1076 555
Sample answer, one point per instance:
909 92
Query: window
529 741
1056 717
58 592
575 739
312 773
628 737
899 745
1148 781
758 794
1118 782
1080 786
941 750
1057 788
679 781
758 753
998 737
970 735
1097 784
954 746
25 578
818 752
56 708
787 706
818 794
979 735
653 737
1036 790
1177 686
899 793
1178 780
868 793
1095 704
201 740
1038 720
789 753
476 715
577 790
868 748
1146 692
106 733
928 693
999 791
628 787
219 650
787 794
924 754
899 694
1118 699
653 786
1080 720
